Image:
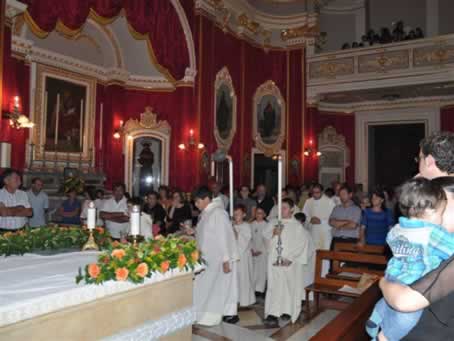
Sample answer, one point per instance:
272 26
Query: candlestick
81 130
229 158
279 188
91 216
100 126
135 220
57 113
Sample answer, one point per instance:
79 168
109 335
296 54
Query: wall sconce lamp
16 119
118 132
191 143
311 150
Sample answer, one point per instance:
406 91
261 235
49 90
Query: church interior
116 116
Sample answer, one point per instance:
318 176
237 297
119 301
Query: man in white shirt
39 202
216 288
115 212
14 204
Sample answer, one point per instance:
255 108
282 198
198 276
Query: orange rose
121 274
115 244
94 270
195 255
142 270
100 230
182 261
118 253
165 266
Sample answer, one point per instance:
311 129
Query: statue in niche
146 160
224 112
268 122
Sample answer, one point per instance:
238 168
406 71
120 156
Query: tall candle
213 165
135 220
230 185
44 124
279 188
100 125
91 216
56 121
81 123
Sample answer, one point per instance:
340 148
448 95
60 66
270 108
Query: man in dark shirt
263 200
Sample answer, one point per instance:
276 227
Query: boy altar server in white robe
216 288
285 283
243 235
259 251
318 209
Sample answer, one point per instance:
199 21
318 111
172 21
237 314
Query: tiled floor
251 327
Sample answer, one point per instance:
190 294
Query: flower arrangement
125 262
49 238
73 183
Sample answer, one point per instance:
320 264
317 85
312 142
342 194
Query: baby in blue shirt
419 244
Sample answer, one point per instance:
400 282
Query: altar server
259 251
285 283
216 288
318 210
243 235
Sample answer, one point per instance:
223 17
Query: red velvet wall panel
447 118
16 82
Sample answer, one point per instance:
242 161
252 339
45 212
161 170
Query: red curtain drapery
447 118
157 20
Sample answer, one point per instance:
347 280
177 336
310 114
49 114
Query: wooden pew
336 268
331 286
349 325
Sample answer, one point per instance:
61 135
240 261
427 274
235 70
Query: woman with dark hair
376 220
177 213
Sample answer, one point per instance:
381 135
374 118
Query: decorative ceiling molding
14 8
379 105
269 31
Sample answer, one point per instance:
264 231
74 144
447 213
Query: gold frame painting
39 115
269 118
225 109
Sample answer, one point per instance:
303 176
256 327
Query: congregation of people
241 252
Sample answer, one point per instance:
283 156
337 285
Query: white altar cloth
33 285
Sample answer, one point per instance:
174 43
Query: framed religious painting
269 118
225 109
64 112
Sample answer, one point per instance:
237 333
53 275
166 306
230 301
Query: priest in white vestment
285 283
243 234
259 250
216 288
318 209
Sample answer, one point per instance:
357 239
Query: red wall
185 108
447 118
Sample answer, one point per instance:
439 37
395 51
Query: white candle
91 216
279 188
213 164
135 220
100 125
230 185
81 123
56 121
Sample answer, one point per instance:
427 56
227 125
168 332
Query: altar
40 300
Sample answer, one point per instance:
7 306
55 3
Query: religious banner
269 118
224 109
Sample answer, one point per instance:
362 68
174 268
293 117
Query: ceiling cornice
264 29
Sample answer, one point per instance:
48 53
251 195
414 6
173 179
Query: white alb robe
260 262
215 292
321 233
246 295
285 283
